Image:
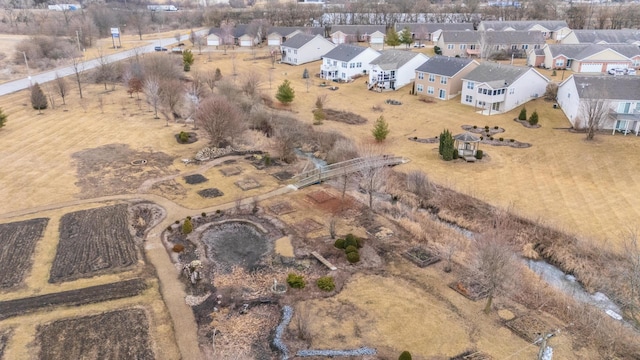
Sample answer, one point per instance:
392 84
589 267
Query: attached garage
274 42
617 66
591 67
246 41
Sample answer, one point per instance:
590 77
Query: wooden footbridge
319 175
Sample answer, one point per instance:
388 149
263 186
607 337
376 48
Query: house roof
286 30
524 25
393 59
514 37
433 27
345 52
444 65
607 87
496 75
297 41
466 137
582 51
625 36
354 29
465 37
538 52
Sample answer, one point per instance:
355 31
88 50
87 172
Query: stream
317 162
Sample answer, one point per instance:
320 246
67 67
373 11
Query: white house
394 69
376 40
214 40
247 40
550 29
498 88
621 94
346 61
301 49
623 36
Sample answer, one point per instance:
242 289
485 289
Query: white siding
529 86
311 51
213 40
407 72
568 99
570 39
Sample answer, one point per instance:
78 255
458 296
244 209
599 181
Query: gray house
550 29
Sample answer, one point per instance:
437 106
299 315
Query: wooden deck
324 261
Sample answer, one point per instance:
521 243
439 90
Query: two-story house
394 69
498 88
441 76
513 43
345 61
619 94
589 58
302 48
459 43
423 32
623 36
550 29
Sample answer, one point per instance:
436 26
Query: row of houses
586 58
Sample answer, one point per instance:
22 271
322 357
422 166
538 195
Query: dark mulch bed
210 193
431 140
281 208
193 137
495 142
230 161
526 124
421 257
472 291
283 175
483 130
344 117
195 179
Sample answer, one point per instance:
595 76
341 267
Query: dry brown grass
344 117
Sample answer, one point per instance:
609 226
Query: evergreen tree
285 93
38 99
446 147
392 38
533 120
305 74
187 226
319 116
405 37
523 114
187 57
437 50
380 129
3 118
405 356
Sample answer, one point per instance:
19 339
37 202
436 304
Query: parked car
630 71
176 50
616 71
160 48
419 45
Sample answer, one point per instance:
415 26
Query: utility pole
78 40
27 64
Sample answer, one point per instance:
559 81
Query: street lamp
27 64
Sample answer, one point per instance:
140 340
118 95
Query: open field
18 242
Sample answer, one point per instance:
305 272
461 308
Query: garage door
617 66
245 43
593 67
274 42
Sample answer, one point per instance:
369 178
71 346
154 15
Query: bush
169 228
501 139
353 257
326 283
267 160
405 356
183 137
455 155
496 127
204 214
177 222
553 73
523 114
178 248
360 242
533 120
350 240
218 211
486 127
479 154
340 244
475 126
296 281
187 226
187 67
512 140
350 249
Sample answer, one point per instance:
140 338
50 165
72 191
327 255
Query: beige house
459 43
441 76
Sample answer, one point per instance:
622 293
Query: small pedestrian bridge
327 172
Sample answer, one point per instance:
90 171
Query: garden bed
283 175
235 244
527 327
231 170
281 208
344 117
210 193
190 139
247 184
421 257
195 179
485 131
470 290
471 355
526 123
113 335
320 196
18 241
93 242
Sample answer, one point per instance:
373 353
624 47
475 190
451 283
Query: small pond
235 243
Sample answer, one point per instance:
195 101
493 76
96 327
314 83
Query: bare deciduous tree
594 112
78 67
631 275
220 119
61 87
152 92
251 84
373 173
171 96
418 183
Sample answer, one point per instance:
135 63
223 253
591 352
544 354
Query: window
335 62
525 46
295 52
482 103
635 63
344 64
352 65
470 85
328 61
514 47
393 73
443 94
536 46
443 80
479 91
419 88
463 46
289 51
472 46
559 62
484 91
450 46
468 98
359 65
421 76
430 90
624 107
512 91
344 76
432 78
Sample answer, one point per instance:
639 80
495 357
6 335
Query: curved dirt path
171 288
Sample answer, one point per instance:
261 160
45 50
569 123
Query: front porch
626 122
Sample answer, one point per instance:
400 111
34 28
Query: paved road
17 85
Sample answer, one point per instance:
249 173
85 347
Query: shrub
187 67
533 120
169 228
204 214
187 226
553 73
491 138
218 211
446 145
496 127
189 217
455 155
486 127
481 137
350 240
178 248
360 242
512 140
523 114
479 154
326 283
350 249
475 126
177 222
340 244
267 160
501 139
296 281
183 137
405 356
353 257
380 129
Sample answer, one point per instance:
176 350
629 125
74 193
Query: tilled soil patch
210 193
17 242
233 244
195 179
121 334
94 241
88 295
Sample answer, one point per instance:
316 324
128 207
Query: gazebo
466 144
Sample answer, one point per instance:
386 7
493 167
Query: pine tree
380 129
38 99
285 93
405 356
187 57
392 38
187 226
523 114
305 74
405 37
3 118
319 116
446 148
533 120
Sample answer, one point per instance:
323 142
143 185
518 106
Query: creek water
317 162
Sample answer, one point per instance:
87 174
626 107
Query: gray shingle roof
345 52
608 87
286 30
538 52
464 37
393 59
609 36
298 41
524 25
362 29
581 51
514 37
467 137
433 27
495 74
444 65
